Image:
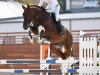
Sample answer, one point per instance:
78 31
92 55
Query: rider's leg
57 9
53 17
60 27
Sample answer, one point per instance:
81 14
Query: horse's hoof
70 58
44 66
40 41
59 58
31 41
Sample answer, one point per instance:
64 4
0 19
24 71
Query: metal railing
22 37
14 38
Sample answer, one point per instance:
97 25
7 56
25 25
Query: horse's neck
34 30
48 18
42 9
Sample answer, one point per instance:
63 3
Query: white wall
82 24
11 27
81 21
66 23
88 24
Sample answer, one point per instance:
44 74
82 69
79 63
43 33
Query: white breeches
54 9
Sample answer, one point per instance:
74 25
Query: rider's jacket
51 3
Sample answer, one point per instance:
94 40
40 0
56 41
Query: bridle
35 23
36 17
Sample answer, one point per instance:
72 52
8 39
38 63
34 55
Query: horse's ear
23 6
28 6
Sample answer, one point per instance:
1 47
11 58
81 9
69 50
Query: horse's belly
56 38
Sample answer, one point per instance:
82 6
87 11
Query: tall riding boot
60 27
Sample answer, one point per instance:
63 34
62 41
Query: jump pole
43 50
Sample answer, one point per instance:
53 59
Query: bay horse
35 16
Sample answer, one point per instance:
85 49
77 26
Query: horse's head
35 16
29 17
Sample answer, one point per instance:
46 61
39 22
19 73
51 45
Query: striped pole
38 70
48 61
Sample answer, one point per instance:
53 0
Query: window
91 3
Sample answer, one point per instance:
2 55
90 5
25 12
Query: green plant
30 2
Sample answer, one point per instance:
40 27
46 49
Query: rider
53 6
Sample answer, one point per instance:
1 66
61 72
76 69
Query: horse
35 16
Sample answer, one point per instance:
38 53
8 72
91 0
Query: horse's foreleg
30 37
29 34
55 49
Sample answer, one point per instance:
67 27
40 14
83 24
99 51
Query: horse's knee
57 50
54 47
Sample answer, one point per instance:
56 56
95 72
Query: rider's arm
41 3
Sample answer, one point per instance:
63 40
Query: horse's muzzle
25 26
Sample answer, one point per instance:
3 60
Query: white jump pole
43 49
49 55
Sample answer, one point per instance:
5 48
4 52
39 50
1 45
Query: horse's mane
38 7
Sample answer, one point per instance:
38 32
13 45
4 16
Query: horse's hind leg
68 48
67 52
55 49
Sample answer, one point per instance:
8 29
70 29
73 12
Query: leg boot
60 27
